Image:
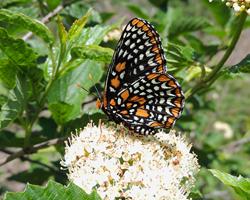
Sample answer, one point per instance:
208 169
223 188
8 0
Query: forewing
139 52
154 101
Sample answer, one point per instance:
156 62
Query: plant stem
28 129
231 46
208 80
32 149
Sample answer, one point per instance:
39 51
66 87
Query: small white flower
238 5
121 165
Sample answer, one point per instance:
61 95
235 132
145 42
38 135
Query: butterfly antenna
97 92
80 86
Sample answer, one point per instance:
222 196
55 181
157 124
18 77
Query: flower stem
210 78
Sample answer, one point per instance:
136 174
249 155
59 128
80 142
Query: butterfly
138 91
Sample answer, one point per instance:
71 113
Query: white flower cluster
238 5
124 166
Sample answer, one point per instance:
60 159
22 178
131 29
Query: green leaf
161 4
5 3
181 24
63 112
53 4
17 50
138 10
62 32
179 56
76 28
94 35
76 10
195 194
53 191
48 126
93 52
13 107
219 10
63 36
242 67
7 73
9 139
32 12
32 175
240 185
65 97
29 23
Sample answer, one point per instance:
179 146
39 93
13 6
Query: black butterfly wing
154 101
139 52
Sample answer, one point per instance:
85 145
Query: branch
25 158
235 146
32 149
45 20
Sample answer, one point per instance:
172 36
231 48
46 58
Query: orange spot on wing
170 122
115 82
152 76
178 102
134 98
150 34
155 124
153 41
129 105
155 49
175 111
112 102
177 92
145 28
172 84
141 100
125 95
135 21
141 113
120 67
163 78
159 59
140 24
124 112
160 68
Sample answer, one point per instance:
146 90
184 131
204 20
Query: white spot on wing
141 47
119 101
135 51
127 42
141 56
125 53
132 45
111 89
122 75
128 27
145 36
120 52
129 56
140 31
134 29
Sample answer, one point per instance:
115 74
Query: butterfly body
138 91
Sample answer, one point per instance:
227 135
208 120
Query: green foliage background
41 102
